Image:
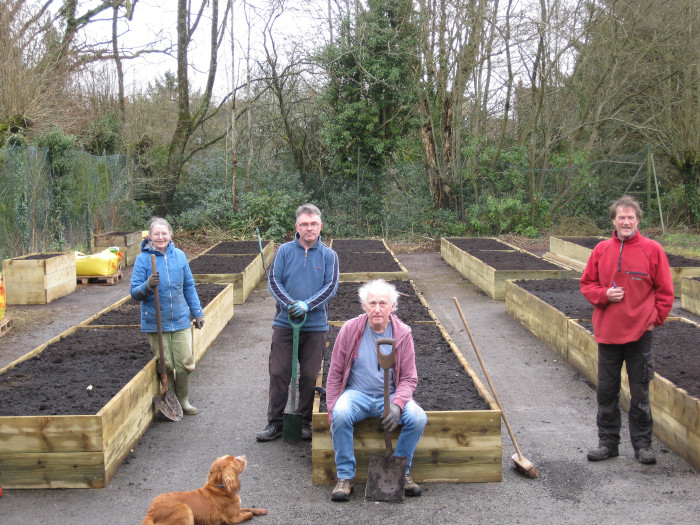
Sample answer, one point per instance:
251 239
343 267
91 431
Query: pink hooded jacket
345 351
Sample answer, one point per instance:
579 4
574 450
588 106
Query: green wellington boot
182 391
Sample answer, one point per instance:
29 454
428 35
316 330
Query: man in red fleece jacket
628 281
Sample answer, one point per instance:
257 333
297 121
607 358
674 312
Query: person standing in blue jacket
303 276
179 303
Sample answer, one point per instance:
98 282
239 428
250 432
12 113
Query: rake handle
488 378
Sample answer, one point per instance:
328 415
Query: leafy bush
273 212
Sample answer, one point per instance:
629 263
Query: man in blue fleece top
303 277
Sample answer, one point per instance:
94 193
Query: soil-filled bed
469 244
220 264
353 262
346 303
75 375
586 242
680 261
40 256
129 313
503 260
358 245
676 350
563 294
443 383
236 247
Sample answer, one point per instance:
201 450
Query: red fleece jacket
345 351
640 266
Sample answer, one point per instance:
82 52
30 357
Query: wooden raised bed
489 279
690 294
576 252
85 451
75 451
39 278
680 268
676 413
457 446
129 244
542 319
243 281
217 313
378 254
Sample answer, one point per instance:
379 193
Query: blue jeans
353 406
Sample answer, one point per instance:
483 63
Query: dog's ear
229 476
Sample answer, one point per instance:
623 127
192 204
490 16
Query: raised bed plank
31 280
690 294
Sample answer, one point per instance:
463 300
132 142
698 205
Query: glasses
307 225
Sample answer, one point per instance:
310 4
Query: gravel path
550 407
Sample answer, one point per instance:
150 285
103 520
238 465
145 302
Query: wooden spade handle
386 361
156 299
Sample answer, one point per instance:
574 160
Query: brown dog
214 503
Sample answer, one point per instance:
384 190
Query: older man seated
355 384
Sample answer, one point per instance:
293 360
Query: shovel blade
386 476
291 427
168 405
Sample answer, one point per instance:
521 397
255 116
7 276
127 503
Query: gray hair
160 221
308 209
379 286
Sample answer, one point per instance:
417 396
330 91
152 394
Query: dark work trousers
311 348
640 370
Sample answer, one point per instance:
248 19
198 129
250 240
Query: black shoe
645 456
271 432
602 452
306 432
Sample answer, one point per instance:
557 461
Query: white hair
379 286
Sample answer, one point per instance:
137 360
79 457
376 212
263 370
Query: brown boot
343 489
410 487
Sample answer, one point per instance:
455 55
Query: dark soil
676 354
502 260
358 245
443 383
220 264
471 244
676 261
563 294
586 242
346 303
57 380
129 313
681 261
237 247
40 256
354 262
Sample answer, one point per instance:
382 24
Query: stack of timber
129 243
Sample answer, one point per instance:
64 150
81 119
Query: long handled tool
386 473
291 422
166 401
522 464
262 255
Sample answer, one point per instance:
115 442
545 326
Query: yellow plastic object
144 234
103 263
2 297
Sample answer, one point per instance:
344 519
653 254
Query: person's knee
415 417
